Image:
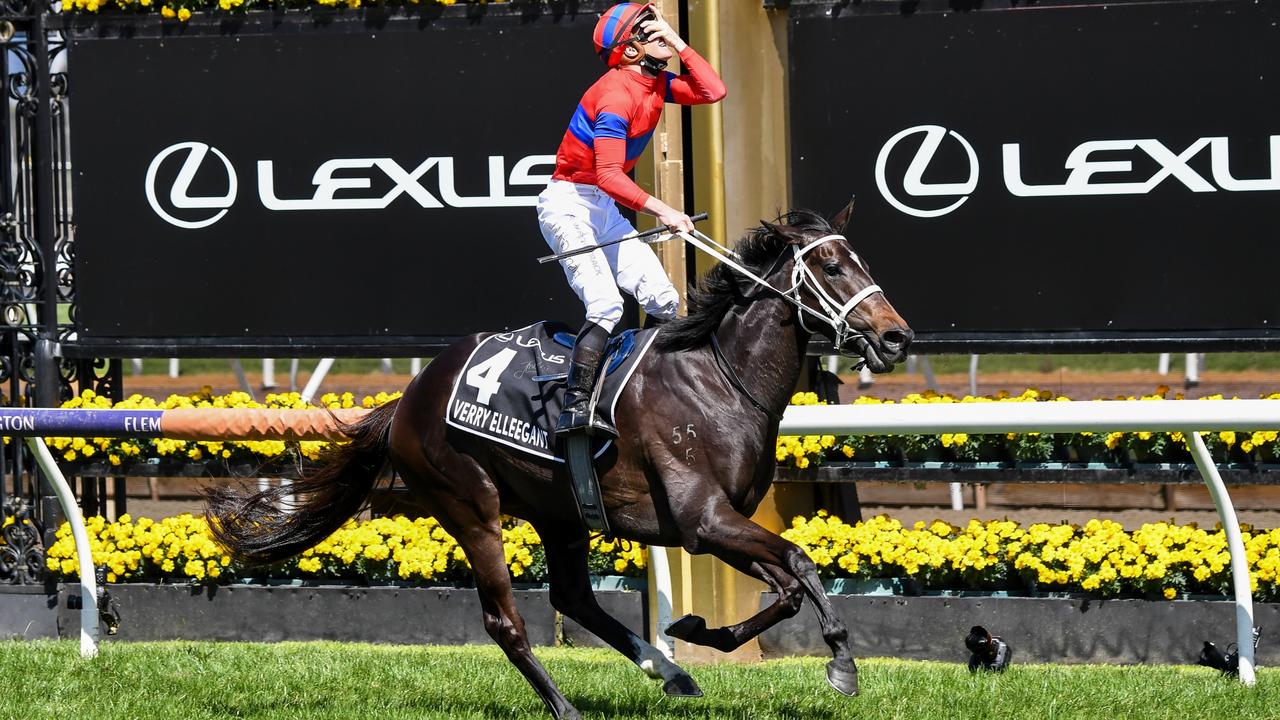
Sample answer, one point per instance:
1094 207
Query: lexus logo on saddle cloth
1094 167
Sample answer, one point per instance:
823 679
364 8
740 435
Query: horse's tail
265 526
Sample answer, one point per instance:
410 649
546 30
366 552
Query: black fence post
47 393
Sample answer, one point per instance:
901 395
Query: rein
801 278
726 368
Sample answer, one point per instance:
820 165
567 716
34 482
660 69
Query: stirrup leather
584 482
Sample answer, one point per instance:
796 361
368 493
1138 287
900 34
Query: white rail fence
1188 417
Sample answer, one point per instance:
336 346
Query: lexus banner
1105 171
340 181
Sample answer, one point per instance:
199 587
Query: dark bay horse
699 420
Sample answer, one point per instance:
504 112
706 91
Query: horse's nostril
894 340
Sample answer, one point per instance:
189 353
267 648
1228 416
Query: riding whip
638 236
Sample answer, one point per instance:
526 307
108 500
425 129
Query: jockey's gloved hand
659 29
677 221
668 216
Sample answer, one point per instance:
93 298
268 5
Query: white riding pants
572 216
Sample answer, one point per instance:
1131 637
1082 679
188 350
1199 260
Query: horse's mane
722 286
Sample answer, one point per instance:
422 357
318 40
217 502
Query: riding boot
578 413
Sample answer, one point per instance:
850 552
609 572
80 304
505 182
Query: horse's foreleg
571 595
693 629
727 534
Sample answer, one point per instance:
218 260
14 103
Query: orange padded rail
256 424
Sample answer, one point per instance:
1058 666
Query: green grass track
373 682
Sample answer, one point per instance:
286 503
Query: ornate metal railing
37 272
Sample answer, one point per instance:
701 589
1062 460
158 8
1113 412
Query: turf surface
364 682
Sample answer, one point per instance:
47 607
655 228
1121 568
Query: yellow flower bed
803 452
381 550
120 450
1157 560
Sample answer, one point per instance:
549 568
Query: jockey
609 129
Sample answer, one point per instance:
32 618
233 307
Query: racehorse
698 423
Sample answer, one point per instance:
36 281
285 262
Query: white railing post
662 591
268 373
316 379
237 368
1195 363
88 576
1235 545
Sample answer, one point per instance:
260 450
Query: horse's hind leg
472 518
483 547
571 594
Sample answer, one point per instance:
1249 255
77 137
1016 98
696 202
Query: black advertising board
347 183
1052 177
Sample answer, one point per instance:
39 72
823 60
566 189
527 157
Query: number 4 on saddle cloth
512 388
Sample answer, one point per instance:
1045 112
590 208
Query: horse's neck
765 345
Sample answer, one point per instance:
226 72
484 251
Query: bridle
833 312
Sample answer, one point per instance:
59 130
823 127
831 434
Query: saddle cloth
496 396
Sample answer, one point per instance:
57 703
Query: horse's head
838 297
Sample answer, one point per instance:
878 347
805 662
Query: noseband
833 311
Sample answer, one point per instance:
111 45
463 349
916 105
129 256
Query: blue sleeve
609 125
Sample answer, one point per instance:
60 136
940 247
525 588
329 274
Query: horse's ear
841 220
786 232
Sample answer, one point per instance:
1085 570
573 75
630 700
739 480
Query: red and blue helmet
617 28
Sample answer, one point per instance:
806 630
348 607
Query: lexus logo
1094 168
337 184
194 155
913 183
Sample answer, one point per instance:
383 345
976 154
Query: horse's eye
832 270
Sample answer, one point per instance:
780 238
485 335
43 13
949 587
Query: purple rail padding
49 422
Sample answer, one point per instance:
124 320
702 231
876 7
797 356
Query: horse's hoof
686 627
844 681
682 686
